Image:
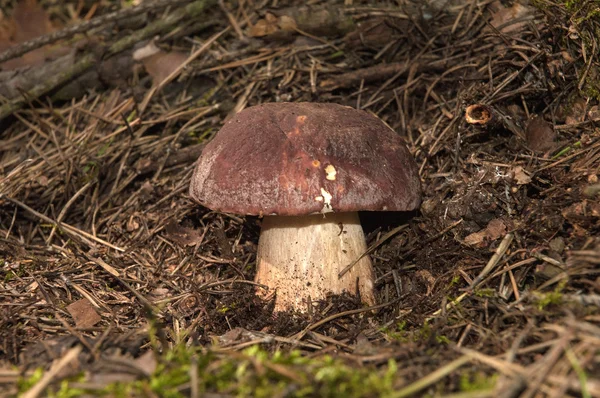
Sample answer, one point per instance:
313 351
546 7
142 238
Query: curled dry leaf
182 235
576 112
520 175
540 135
158 63
495 229
594 113
476 238
272 24
502 17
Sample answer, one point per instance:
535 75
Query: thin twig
502 248
372 248
66 227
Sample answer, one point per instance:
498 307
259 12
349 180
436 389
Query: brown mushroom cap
305 158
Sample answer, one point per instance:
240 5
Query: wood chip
83 313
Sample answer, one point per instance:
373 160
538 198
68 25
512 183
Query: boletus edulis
307 169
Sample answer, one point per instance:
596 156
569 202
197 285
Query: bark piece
83 313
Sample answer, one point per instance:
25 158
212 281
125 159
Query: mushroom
307 169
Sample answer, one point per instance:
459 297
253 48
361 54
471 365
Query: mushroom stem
300 257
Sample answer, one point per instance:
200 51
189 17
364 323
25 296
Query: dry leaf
181 235
31 21
504 15
475 238
159 64
264 27
594 113
132 224
520 175
540 135
272 24
495 229
576 112
374 32
83 313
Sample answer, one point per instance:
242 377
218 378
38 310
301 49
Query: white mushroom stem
300 257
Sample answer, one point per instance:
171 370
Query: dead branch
371 74
68 68
86 26
185 155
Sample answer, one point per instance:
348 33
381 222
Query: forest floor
113 282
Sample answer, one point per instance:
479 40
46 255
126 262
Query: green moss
554 297
25 384
442 339
487 292
401 334
455 280
66 391
253 372
477 381
201 136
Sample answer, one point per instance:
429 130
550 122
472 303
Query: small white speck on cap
331 172
326 201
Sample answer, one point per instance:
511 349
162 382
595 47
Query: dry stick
301 334
539 373
506 368
39 387
431 378
371 249
502 248
448 306
435 237
148 306
64 210
67 228
84 27
190 11
516 370
567 158
52 82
